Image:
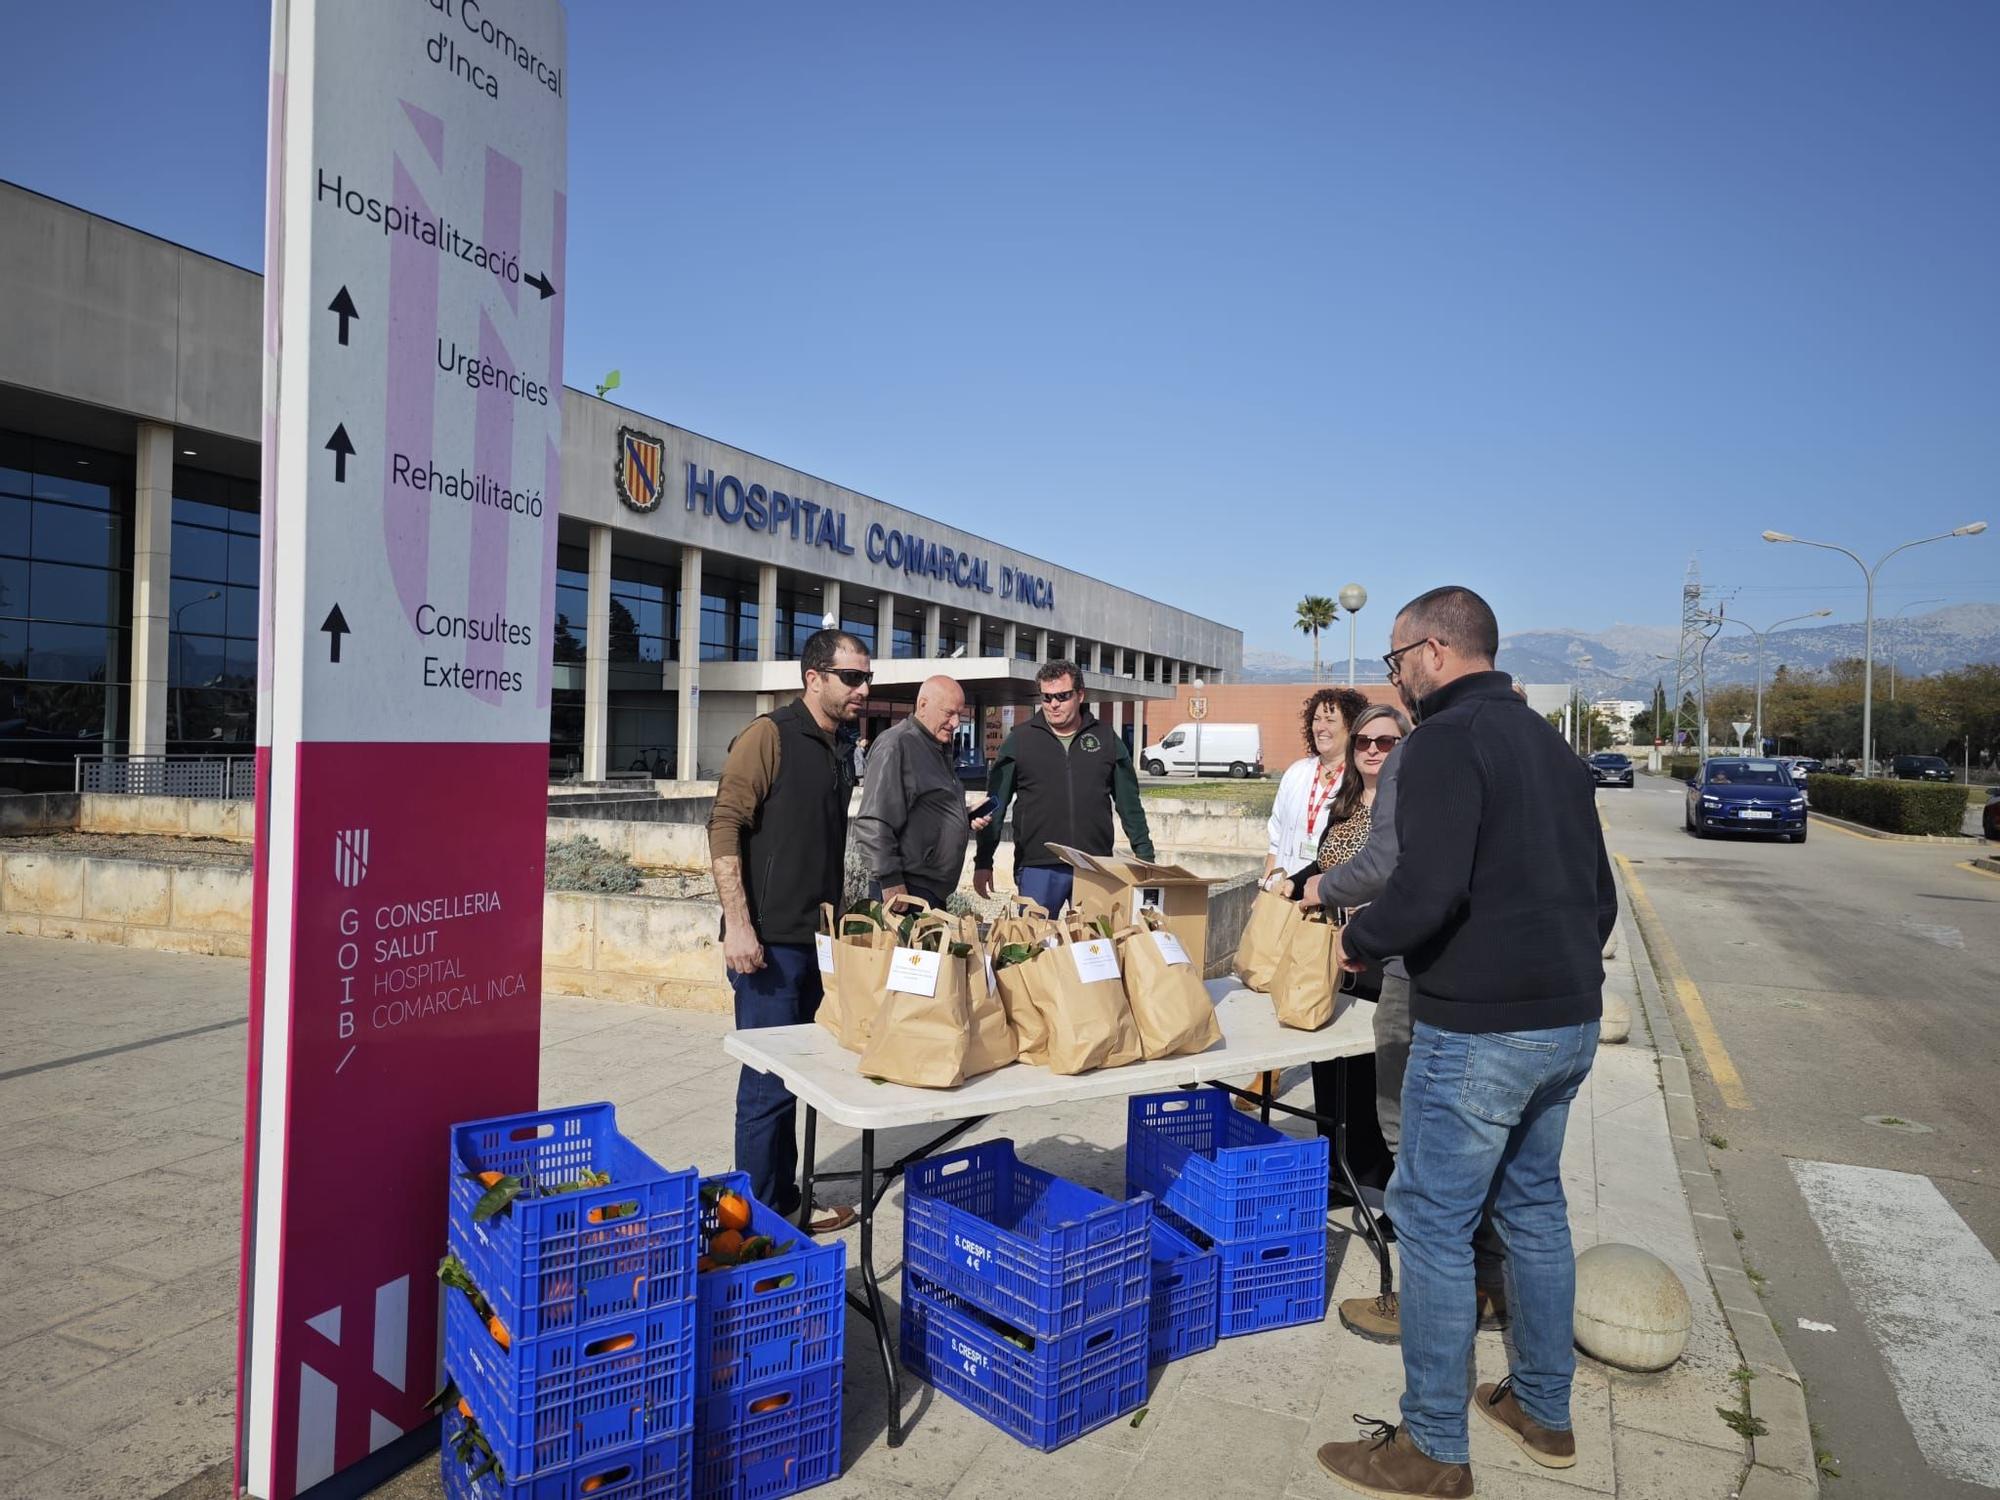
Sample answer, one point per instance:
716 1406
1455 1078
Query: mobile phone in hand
985 809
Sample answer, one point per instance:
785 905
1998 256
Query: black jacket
1502 897
1063 796
793 850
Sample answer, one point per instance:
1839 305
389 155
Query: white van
1226 749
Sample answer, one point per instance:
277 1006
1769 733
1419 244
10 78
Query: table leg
808 1159
1265 1080
1369 1227
873 1290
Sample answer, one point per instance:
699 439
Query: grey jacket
913 828
1363 878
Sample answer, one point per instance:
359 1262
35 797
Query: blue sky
1232 304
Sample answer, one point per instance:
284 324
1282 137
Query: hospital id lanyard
1314 801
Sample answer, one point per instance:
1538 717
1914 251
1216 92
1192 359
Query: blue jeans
785 992
1047 885
1483 1122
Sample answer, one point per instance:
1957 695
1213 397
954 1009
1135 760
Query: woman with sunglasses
1378 730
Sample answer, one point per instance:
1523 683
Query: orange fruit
769 1403
464 1410
499 1331
704 1264
732 1211
489 1179
726 1243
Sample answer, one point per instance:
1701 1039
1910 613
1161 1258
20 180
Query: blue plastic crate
551 1265
1045 1395
762 1441
773 1317
1268 1283
1186 1282
1223 1171
662 1469
561 1399
1041 1254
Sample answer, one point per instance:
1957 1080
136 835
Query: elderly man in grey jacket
1355 883
912 828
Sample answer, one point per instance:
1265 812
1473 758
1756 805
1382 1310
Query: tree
1316 613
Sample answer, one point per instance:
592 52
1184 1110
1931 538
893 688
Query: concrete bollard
1631 1309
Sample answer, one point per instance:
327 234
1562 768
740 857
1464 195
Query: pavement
120 1100
1835 1002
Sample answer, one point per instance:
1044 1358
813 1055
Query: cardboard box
1114 887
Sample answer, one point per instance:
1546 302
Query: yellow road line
1728 1082
1822 821
1990 875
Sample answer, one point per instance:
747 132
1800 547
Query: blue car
1746 796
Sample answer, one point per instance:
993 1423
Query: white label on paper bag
914 971
992 981
1171 949
1095 960
823 945
1147 895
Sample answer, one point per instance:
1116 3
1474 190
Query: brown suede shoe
1492 1306
1378 1317
1550 1449
1388 1463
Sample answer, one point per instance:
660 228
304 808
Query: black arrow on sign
543 285
342 450
344 306
335 627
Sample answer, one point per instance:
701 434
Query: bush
583 864
1680 767
1892 806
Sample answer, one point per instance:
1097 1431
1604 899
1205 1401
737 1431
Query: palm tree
1316 613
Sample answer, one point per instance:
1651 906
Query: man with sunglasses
777 841
1064 773
1500 903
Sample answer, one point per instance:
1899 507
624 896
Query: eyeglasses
1382 743
1394 660
1059 697
852 676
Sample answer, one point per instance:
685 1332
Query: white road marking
1943 936
1931 1295
1811 1327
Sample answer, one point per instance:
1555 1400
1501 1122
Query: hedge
1681 767
1892 806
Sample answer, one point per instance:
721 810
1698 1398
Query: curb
1783 1465
1959 839
1983 862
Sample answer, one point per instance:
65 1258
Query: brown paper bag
1262 945
922 1029
1081 992
991 1044
853 991
1028 926
1170 1004
1308 978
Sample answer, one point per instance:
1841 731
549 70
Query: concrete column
1097 656
1043 643
885 626
1009 640
687 738
597 657
767 612
829 601
1117 715
933 630
975 635
152 589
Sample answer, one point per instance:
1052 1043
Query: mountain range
1624 659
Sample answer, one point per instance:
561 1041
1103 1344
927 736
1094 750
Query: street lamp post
1972 528
180 661
1817 614
1198 685
1701 684
1351 599
1582 739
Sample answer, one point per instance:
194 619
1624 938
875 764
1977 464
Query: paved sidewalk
117 1267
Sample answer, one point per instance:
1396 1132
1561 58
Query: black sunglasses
1382 742
1059 697
852 676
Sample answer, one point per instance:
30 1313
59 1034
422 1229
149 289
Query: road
1847 981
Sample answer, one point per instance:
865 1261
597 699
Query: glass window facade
799 614
643 599
858 620
909 632
728 620
572 612
65 602
212 623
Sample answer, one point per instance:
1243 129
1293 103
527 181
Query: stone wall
651 845
634 948
189 817
136 903
37 812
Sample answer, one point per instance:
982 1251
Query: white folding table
826 1079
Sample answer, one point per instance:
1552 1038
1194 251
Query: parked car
1609 768
1232 749
1803 765
1989 817
1745 796
1920 768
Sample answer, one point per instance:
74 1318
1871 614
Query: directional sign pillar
413 327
